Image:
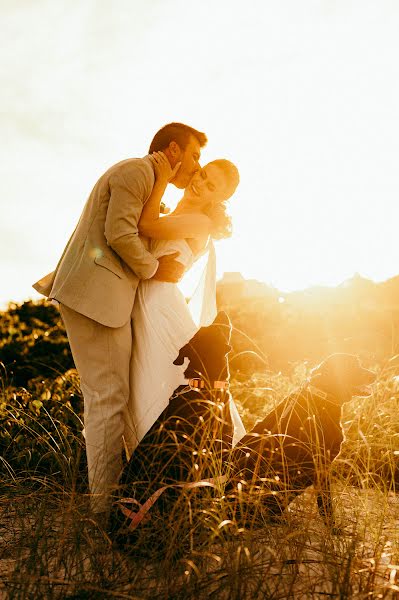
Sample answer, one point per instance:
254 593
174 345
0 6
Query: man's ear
175 151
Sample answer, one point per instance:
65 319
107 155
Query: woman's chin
180 182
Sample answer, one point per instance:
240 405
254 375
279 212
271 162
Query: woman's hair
221 221
176 132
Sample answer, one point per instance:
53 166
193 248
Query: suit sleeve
128 192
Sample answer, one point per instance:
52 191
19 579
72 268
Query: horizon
356 276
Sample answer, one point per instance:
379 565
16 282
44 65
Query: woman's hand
163 171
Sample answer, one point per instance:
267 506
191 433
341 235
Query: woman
163 321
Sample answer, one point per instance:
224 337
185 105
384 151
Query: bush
33 343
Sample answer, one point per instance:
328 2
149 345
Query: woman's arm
169 227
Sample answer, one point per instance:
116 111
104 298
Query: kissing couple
116 285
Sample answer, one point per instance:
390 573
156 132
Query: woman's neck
184 207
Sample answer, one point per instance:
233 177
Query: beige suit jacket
104 260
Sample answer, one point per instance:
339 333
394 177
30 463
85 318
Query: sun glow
293 93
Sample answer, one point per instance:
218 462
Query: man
95 283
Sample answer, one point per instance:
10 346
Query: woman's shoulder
198 245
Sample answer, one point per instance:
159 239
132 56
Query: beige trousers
102 356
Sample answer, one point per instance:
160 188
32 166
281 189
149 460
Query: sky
302 96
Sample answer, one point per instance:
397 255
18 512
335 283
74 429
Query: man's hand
163 171
169 269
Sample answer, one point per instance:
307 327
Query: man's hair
176 132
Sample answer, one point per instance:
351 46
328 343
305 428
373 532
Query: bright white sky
302 96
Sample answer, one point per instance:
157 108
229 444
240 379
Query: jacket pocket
109 264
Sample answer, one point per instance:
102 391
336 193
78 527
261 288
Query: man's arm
128 192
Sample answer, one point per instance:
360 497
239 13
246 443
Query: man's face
189 158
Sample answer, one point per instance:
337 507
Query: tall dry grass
51 547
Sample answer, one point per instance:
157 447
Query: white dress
163 322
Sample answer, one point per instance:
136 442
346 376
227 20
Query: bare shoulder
198 244
197 223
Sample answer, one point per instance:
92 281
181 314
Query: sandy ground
297 559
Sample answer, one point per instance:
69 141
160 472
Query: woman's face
208 186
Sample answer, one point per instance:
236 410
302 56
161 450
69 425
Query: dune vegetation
51 547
